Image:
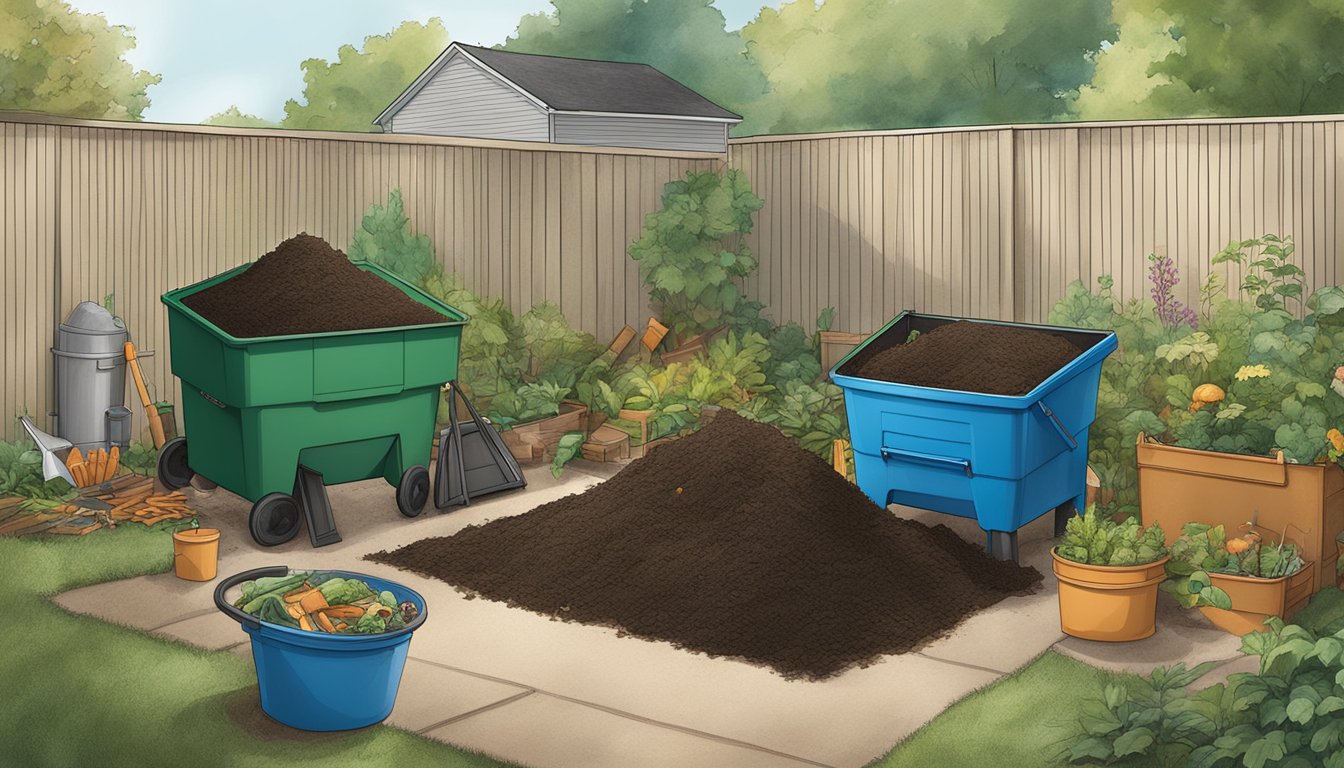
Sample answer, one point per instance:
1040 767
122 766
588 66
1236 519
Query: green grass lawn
82 692
1026 719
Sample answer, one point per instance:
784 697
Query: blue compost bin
1001 460
320 682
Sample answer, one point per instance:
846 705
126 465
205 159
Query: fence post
1010 286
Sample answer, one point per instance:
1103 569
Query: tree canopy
348 94
236 118
1186 58
685 39
884 64
54 59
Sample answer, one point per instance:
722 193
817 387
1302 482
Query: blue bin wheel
413 491
275 519
173 470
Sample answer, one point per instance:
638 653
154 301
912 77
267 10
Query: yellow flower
1251 372
1336 439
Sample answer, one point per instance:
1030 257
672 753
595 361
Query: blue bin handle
1057 424
256 573
927 458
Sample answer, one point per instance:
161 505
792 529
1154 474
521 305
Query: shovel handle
230 610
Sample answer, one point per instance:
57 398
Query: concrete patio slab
1182 636
1032 621
430 695
552 693
544 730
213 631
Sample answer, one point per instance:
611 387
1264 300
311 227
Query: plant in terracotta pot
1237 582
1108 577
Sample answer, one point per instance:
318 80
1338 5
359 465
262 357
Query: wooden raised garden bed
1180 485
536 441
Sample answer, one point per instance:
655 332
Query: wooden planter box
1254 600
1181 485
835 345
607 444
536 441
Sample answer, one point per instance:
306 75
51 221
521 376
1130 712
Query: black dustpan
473 459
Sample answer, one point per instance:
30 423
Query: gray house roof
578 85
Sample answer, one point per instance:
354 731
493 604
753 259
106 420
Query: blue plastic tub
320 682
1001 460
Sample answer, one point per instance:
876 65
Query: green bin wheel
173 469
274 519
413 491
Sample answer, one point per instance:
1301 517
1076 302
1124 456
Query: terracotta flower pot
1254 599
1108 603
1181 485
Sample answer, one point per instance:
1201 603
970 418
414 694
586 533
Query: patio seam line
628 715
477 711
965 664
196 614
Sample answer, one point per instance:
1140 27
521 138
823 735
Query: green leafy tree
1182 58
685 39
236 118
385 238
693 249
348 94
866 64
54 59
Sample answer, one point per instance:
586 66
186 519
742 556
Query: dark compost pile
733 541
974 357
306 286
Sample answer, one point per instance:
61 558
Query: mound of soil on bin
974 357
734 542
306 286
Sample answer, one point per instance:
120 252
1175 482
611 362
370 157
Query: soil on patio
733 541
306 286
974 357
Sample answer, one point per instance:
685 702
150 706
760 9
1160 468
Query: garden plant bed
973 357
306 286
733 542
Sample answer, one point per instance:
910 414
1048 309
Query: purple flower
1170 311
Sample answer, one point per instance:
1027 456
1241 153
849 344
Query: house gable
460 98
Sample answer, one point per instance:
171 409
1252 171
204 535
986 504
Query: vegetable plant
1094 539
693 250
569 448
1271 277
1203 549
1287 713
528 402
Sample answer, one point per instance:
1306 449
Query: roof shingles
581 85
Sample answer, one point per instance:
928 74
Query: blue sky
247 52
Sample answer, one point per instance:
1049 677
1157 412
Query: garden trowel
52 465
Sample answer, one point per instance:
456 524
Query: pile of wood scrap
125 498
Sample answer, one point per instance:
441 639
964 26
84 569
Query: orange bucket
196 553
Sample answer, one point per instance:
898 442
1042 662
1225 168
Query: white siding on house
647 132
463 100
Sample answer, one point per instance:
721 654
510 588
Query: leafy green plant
1150 719
1094 539
21 474
1203 549
385 238
493 352
557 351
665 392
1271 278
140 458
731 373
569 448
692 252
811 413
527 402
1287 713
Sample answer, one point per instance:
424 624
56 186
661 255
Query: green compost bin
351 405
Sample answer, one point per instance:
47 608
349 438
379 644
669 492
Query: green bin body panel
352 405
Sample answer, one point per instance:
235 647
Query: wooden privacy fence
997 221
93 208
990 222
